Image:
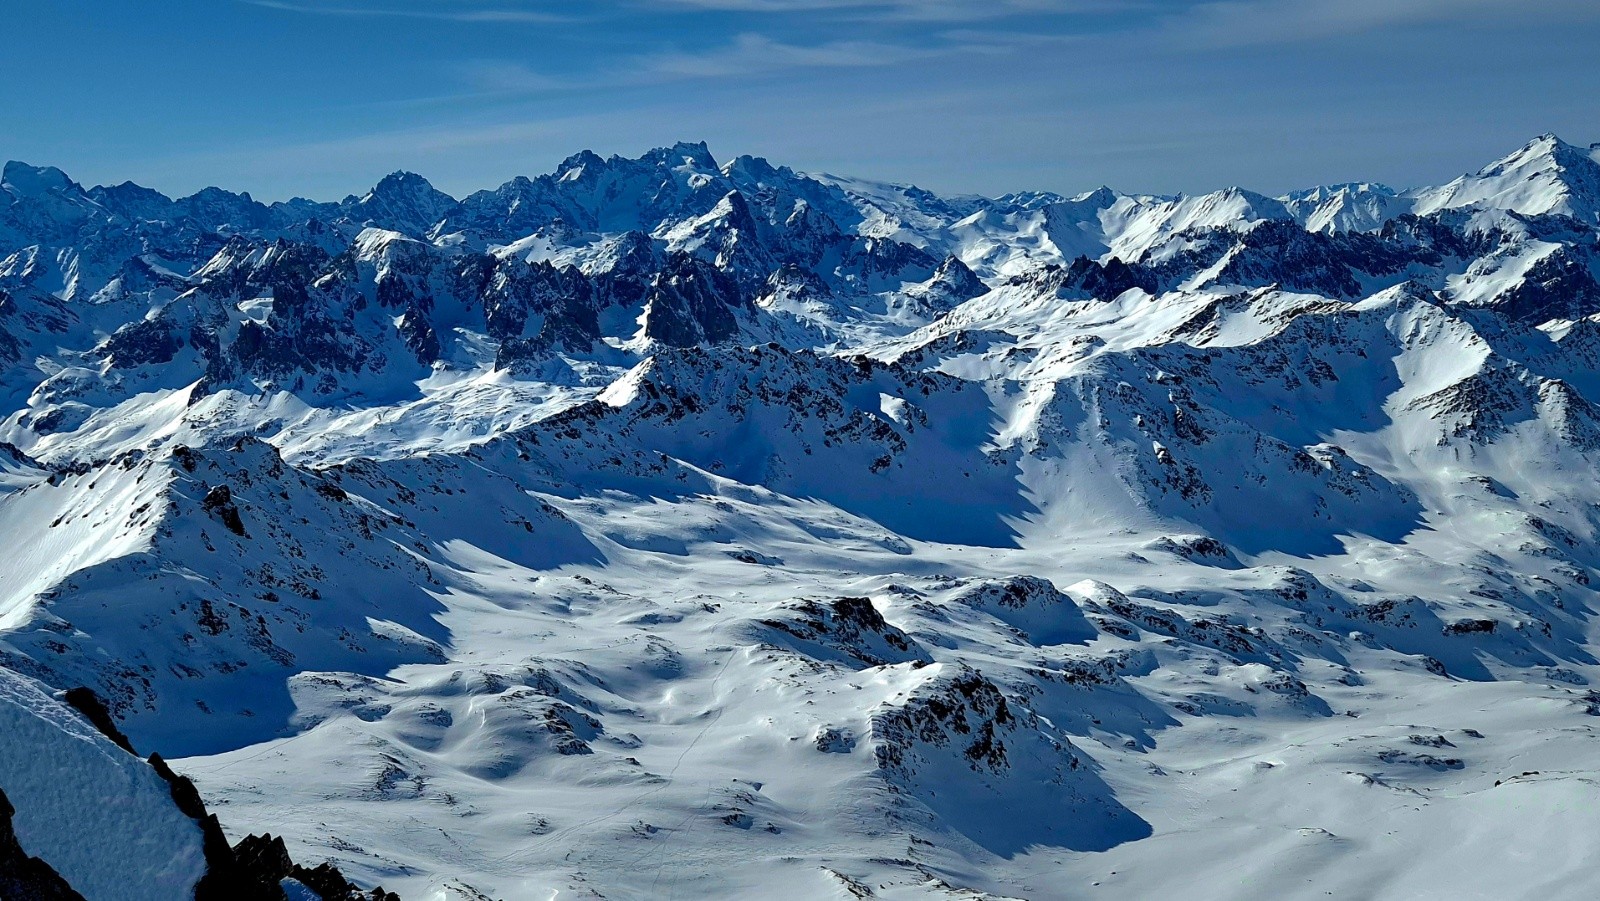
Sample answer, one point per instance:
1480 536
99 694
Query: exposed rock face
24 878
1031 604
692 303
847 628
267 862
966 715
253 870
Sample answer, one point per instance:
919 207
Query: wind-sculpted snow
993 769
202 580
904 449
101 818
849 630
657 527
1042 613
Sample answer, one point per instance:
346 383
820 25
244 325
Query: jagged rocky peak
405 202
24 180
225 211
534 307
133 201
692 302
957 280
755 169
694 154
1356 206
588 167
403 184
575 167
40 204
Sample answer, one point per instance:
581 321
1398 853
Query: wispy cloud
487 14
908 10
884 11
503 77
746 55
750 54
1246 22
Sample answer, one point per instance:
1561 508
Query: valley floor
705 779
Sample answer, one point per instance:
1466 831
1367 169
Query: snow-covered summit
1548 175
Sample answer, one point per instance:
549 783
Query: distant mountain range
663 527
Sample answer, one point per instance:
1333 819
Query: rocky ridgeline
176 830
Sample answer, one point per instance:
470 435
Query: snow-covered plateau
661 528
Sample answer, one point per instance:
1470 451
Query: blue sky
322 97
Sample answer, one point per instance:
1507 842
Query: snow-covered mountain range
666 528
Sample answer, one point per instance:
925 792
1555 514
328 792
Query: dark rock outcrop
25 878
252 870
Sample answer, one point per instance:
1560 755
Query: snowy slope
664 527
96 814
